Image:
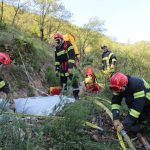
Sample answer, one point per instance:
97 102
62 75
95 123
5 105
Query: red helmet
89 72
117 81
4 58
58 35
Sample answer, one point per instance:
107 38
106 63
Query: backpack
69 37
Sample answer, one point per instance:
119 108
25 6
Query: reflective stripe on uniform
146 84
108 58
71 61
64 74
110 55
139 94
148 95
61 53
2 84
57 63
105 58
134 113
70 48
115 106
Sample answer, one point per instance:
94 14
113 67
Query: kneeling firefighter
90 85
4 87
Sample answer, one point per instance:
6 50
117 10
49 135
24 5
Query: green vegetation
27 38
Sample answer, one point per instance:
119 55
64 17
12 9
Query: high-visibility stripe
105 58
57 63
148 95
146 84
110 55
61 53
71 61
70 48
134 113
115 106
2 84
64 74
139 94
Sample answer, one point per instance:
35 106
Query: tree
2 11
51 12
19 7
58 20
90 34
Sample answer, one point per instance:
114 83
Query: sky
126 20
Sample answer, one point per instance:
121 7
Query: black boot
76 94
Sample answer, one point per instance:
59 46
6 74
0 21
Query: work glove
118 125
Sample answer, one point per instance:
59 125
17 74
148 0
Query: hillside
32 62
29 42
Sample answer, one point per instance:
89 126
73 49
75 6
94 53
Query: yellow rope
126 137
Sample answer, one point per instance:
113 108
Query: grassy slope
29 56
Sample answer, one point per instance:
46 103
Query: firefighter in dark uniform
4 87
136 92
108 61
65 63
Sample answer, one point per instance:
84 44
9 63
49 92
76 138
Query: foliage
30 58
68 132
51 78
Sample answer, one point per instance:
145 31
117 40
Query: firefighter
65 63
136 92
4 87
108 61
89 85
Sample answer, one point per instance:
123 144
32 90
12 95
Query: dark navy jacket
137 98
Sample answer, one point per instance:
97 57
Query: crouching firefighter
4 87
136 92
65 63
89 85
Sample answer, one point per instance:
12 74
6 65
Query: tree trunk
2 11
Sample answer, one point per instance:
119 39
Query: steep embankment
31 70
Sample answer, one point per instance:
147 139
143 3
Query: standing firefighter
136 92
108 61
4 87
65 62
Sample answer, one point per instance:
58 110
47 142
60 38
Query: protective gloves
118 125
